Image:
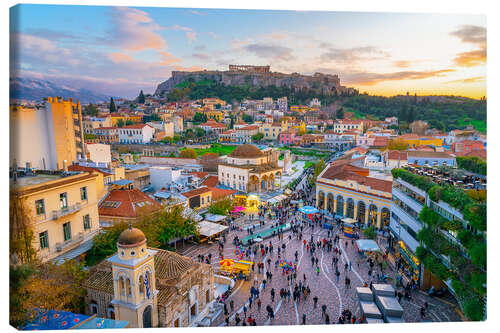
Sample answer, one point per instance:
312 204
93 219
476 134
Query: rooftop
246 151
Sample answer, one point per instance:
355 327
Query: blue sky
120 50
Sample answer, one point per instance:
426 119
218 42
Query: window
208 199
86 222
83 193
67 231
63 200
94 307
40 207
202 201
44 240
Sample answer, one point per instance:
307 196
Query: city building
91 123
343 125
99 153
348 190
149 287
63 209
199 197
248 169
244 134
107 135
141 133
125 204
47 138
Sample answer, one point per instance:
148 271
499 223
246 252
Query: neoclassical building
149 287
249 169
347 190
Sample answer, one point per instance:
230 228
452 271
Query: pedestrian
317 270
323 310
304 319
259 304
245 310
237 319
315 300
231 305
272 294
422 312
327 319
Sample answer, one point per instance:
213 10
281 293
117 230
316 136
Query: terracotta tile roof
170 267
211 181
136 126
397 155
478 153
249 128
344 170
221 193
76 167
196 191
246 151
129 203
199 174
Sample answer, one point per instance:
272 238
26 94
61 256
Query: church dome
131 237
246 151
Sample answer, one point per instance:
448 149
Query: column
325 201
379 219
367 215
345 208
317 200
334 206
355 211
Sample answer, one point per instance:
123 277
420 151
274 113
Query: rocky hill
324 83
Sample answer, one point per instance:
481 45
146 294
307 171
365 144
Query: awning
368 245
348 220
189 213
238 209
308 210
214 217
209 229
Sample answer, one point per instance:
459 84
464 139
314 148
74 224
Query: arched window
122 286
111 312
141 285
94 307
129 288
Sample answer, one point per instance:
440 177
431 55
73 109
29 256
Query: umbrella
226 262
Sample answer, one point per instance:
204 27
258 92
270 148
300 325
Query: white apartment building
140 133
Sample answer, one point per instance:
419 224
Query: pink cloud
118 57
135 30
168 59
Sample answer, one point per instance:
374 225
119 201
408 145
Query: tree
199 132
221 207
320 166
46 287
91 110
231 124
112 106
257 137
21 234
340 113
188 153
397 144
247 118
120 123
140 98
200 117
129 122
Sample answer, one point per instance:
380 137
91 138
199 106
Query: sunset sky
120 50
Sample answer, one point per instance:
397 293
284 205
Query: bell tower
134 283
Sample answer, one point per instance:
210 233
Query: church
149 287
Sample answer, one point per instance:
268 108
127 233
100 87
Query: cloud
470 58
168 59
202 56
473 35
352 55
238 43
401 63
270 51
118 57
369 79
213 35
276 35
469 80
135 30
190 33
197 12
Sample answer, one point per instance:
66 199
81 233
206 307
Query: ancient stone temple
149 287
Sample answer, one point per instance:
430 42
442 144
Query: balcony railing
73 242
56 214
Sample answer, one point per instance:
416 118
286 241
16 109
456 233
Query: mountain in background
32 89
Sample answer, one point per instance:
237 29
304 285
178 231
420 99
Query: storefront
411 264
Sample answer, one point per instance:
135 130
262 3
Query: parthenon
249 68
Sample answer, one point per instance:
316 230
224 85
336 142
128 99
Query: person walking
237 319
327 319
259 304
317 270
323 310
272 294
231 305
315 302
304 319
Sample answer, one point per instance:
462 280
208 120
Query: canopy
209 229
349 220
367 245
238 209
308 210
214 217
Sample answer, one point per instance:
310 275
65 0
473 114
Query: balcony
70 248
57 214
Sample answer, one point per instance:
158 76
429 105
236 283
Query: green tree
112 106
21 235
257 137
199 132
129 122
140 98
247 118
120 123
221 207
91 110
199 117
340 113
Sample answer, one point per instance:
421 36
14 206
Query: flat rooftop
34 180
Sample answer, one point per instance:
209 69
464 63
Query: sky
120 50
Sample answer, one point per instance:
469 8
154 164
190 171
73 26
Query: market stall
367 245
348 224
308 212
209 230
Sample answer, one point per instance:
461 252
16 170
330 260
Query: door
146 317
